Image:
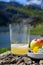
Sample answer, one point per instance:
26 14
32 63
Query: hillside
16 6
12 11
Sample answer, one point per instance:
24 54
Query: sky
20 1
38 2
4 0
26 2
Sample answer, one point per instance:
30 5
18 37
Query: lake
5 39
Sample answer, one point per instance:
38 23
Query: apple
33 43
36 43
40 42
35 50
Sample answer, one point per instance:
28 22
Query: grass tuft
4 50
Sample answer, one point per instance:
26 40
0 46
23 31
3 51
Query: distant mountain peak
38 2
35 3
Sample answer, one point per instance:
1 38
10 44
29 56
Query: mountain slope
13 11
20 8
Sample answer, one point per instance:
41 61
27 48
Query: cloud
38 2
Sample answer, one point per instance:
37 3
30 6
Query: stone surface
8 58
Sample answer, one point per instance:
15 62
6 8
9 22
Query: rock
19 61
6 64
6 61
41 62
12 64
27 60
36 64
5 54
0 62
17 58
11 56
13 61
8 58
22 63
33 62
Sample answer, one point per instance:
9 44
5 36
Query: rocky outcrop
8 58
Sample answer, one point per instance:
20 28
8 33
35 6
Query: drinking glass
19 37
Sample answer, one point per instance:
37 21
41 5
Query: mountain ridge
35 3
16 12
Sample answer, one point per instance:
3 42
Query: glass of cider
19 37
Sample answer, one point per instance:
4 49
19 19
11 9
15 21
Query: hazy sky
38 2
24 1
4 0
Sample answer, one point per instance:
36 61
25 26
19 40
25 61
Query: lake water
5 39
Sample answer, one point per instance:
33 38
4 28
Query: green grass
4 50
38 30
27 11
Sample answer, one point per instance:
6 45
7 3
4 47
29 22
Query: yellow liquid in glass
19 49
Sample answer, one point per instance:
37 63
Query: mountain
8 12
4 4
34 6
15 4
34 3
12 11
